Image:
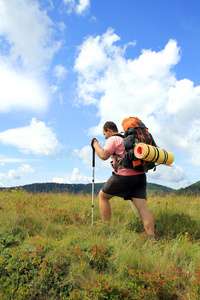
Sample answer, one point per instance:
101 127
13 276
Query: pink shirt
115 144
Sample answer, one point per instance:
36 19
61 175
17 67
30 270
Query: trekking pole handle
92 142
93 156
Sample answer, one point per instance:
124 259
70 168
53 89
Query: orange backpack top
130 122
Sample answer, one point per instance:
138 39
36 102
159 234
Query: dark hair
110 125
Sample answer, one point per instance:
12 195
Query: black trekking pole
93 168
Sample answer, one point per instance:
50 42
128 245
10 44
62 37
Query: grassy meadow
48 249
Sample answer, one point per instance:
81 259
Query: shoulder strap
118 134
115 154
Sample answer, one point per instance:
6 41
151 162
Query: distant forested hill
51 187
193 189
152 188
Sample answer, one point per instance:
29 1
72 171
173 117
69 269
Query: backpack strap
141 134
116 161
115 154
118 134
145 136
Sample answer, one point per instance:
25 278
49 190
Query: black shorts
126 187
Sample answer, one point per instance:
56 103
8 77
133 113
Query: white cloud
60 72
70 4
59 180
119 86
4 159
28 32
85 154
79 6
76 177
54 88
19 90
82 6
16 174
61 26
36 138
27 48
145 86
181 95
173 176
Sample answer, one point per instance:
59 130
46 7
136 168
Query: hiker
129 184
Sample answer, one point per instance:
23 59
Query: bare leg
104 206
145 214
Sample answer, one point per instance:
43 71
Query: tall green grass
48 249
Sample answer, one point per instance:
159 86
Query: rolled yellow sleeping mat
153 154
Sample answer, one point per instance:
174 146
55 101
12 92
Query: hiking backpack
135 132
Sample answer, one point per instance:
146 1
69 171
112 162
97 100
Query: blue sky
67 66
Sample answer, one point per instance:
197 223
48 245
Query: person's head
109 128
